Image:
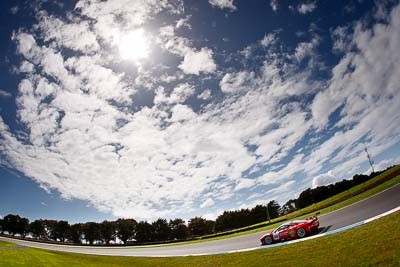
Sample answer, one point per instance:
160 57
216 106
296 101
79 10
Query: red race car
291 230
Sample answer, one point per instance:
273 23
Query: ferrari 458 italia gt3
291 230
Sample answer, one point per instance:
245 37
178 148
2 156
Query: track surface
359 211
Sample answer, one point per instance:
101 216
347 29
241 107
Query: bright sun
134 45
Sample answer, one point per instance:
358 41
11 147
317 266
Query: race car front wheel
301 232
267 240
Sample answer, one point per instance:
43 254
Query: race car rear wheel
267 240
301 232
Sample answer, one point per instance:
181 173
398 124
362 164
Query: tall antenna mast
371 162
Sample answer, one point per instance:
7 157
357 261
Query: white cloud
274 5
206 94
178 95
181 93
347 86
236 82
324 179
341 38
14 10
196 62
383 164
182 113
26 44
304 8
208 203
222 4
212 215
306 49
244 183
26 66
184 22
5 93
268 39
76 36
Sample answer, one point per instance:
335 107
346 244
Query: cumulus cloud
195 62
76 36
184 22
305 8
347 86
306 49
268 39
222 4
341 39
323 179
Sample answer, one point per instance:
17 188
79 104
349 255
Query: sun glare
134 45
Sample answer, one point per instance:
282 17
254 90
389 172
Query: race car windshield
282 227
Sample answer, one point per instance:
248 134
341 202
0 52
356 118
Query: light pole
371 162
268 214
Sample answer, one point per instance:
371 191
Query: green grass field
373 244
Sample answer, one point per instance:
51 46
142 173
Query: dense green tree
240 218
49 226
273 209
233 219
258 214
178 229
61 230
91 232
58 230
14 224
75 233
314 195
125 229
23 227
36 228
199 226
9 223
161 230
144 232
107 231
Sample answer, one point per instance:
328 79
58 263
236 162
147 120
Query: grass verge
373 244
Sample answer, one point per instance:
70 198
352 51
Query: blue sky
150 109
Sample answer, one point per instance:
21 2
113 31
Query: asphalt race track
373 206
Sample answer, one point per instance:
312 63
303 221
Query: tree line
132 231
126 230
311 196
